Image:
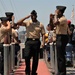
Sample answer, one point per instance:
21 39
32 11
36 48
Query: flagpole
73 15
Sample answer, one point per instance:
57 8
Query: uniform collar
33 22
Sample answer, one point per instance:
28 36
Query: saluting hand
57 23
28 16
13 18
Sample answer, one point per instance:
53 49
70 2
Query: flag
72 16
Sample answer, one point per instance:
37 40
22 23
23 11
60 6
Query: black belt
61 34
33 39
16 44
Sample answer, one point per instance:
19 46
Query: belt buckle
33 39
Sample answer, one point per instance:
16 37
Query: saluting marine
13 34
32 45
61 39
4 29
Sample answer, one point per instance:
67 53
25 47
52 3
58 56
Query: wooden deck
42 69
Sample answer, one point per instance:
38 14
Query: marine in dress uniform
13 34
61 39
11 20
4 29
32 45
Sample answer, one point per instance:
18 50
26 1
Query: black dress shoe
34 74
27 73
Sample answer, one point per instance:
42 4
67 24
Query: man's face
33 17
58 13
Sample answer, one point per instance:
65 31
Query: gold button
33 39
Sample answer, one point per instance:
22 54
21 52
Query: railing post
6 59
12 56
52 58
56 65
53 55
21 47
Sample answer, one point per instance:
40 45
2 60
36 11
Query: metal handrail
53 58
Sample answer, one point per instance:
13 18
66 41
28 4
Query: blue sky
22 8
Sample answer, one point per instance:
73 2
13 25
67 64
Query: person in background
32 45
50 29
72 41
49 40
15 39
47 46
70 32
